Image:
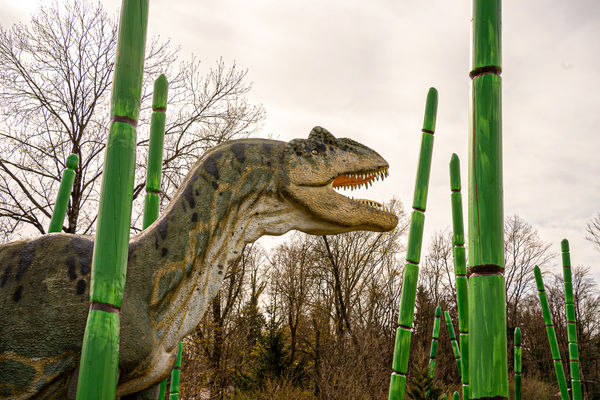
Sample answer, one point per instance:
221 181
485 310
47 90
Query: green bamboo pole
163 390
488 365
155 151
62 197
517 353
460 271
571 324
455 396
435 335
154 170
558 367
175 375
100 352
455 348
413 254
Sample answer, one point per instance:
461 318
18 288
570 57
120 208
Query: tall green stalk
155 151
460 271
558 367
413 253
175 375
571 325
98 370
154 170
517 354
455 396
455 349
435 335
62 197
488 369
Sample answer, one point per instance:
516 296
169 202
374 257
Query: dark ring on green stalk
427 131
157 191
419 209
159 109
408 328
125 120
491 69
106 307
486 269
178 367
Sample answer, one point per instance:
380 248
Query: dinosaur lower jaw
348 214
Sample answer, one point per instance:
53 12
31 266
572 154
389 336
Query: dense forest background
315 318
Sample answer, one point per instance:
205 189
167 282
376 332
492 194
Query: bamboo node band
124 119
159 109
486 269
106 307
427 131
490 69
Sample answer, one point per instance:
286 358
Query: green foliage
421 386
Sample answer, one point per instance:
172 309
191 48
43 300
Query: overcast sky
362 69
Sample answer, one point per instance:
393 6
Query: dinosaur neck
229 199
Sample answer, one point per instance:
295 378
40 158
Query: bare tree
592 231
437 274
55 76
523 249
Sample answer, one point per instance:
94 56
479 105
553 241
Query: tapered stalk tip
438 311
564 245
430 110
454 172
517 336
161 85
72 161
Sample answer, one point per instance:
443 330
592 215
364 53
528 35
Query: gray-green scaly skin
236 193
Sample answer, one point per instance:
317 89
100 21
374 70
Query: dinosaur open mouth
357 180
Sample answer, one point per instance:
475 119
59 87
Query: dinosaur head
313 167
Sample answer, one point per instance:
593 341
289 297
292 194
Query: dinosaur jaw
342 213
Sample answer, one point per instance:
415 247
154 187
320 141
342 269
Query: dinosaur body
236 193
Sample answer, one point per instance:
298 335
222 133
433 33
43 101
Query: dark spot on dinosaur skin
84 249
215 185
268 163
164 251
155 242
71 268
210 165
267 147
162 228
184 207
238 151
197 192
195 217
26 256
188 194
298 153
5 276
17 294
81 286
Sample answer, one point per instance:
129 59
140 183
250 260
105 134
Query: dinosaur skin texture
236 193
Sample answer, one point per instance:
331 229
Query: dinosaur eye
314 151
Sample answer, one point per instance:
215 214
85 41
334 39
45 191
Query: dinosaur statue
236 193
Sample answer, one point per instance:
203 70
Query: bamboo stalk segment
415 238
558 367
435 335
175 375
455 348
64 192
460 270
517 354
571 323
155 151
455 396
488 369
100 352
